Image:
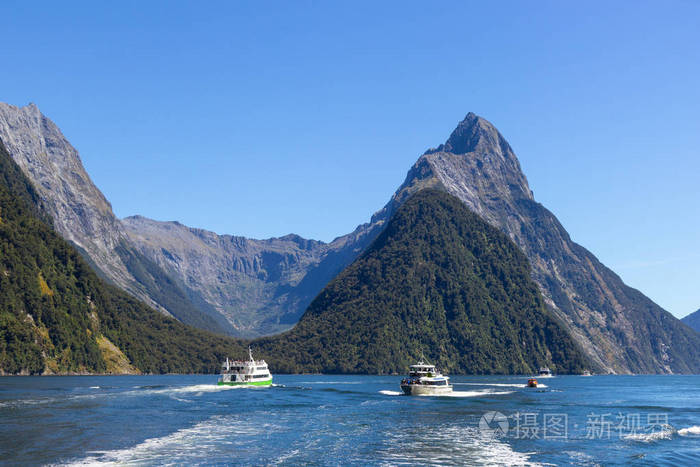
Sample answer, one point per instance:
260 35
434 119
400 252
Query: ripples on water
330 420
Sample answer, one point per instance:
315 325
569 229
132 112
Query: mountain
58 316
252 287
261 286
619 328
438 279
225 284
693 320
84 217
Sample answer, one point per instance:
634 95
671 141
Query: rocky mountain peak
618 328
475 134
477 165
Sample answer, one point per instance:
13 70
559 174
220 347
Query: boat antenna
250 354
422 356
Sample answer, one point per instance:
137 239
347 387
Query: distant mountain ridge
260 286
693 320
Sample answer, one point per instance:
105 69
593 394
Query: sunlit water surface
350 420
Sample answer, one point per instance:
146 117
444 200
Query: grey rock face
693 320
261 286
80 212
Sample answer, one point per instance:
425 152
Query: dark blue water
360 420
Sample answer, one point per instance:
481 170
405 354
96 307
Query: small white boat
425 379
249 372
545 372
586 373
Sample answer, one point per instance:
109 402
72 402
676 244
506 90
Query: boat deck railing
246 362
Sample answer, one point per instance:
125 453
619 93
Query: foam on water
666 432
330 382
181 447
690 431
485 392
138 391
449 445
224 436
482 392
503 385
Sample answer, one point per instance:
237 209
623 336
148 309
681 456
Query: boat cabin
244 367
422 369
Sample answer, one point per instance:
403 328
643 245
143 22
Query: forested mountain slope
437 280
58 316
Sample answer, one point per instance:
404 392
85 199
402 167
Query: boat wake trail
449 445
480 393
690 431
667 432
502 385
181 447
284 386
193 389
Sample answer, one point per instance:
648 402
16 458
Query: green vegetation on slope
438 280
55 313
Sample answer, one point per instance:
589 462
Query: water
356 420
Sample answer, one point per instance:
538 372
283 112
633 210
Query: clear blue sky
264 118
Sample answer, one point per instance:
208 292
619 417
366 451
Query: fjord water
360 420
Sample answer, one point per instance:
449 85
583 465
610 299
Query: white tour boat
245 373
425 379
545 372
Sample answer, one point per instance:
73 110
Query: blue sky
264 118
